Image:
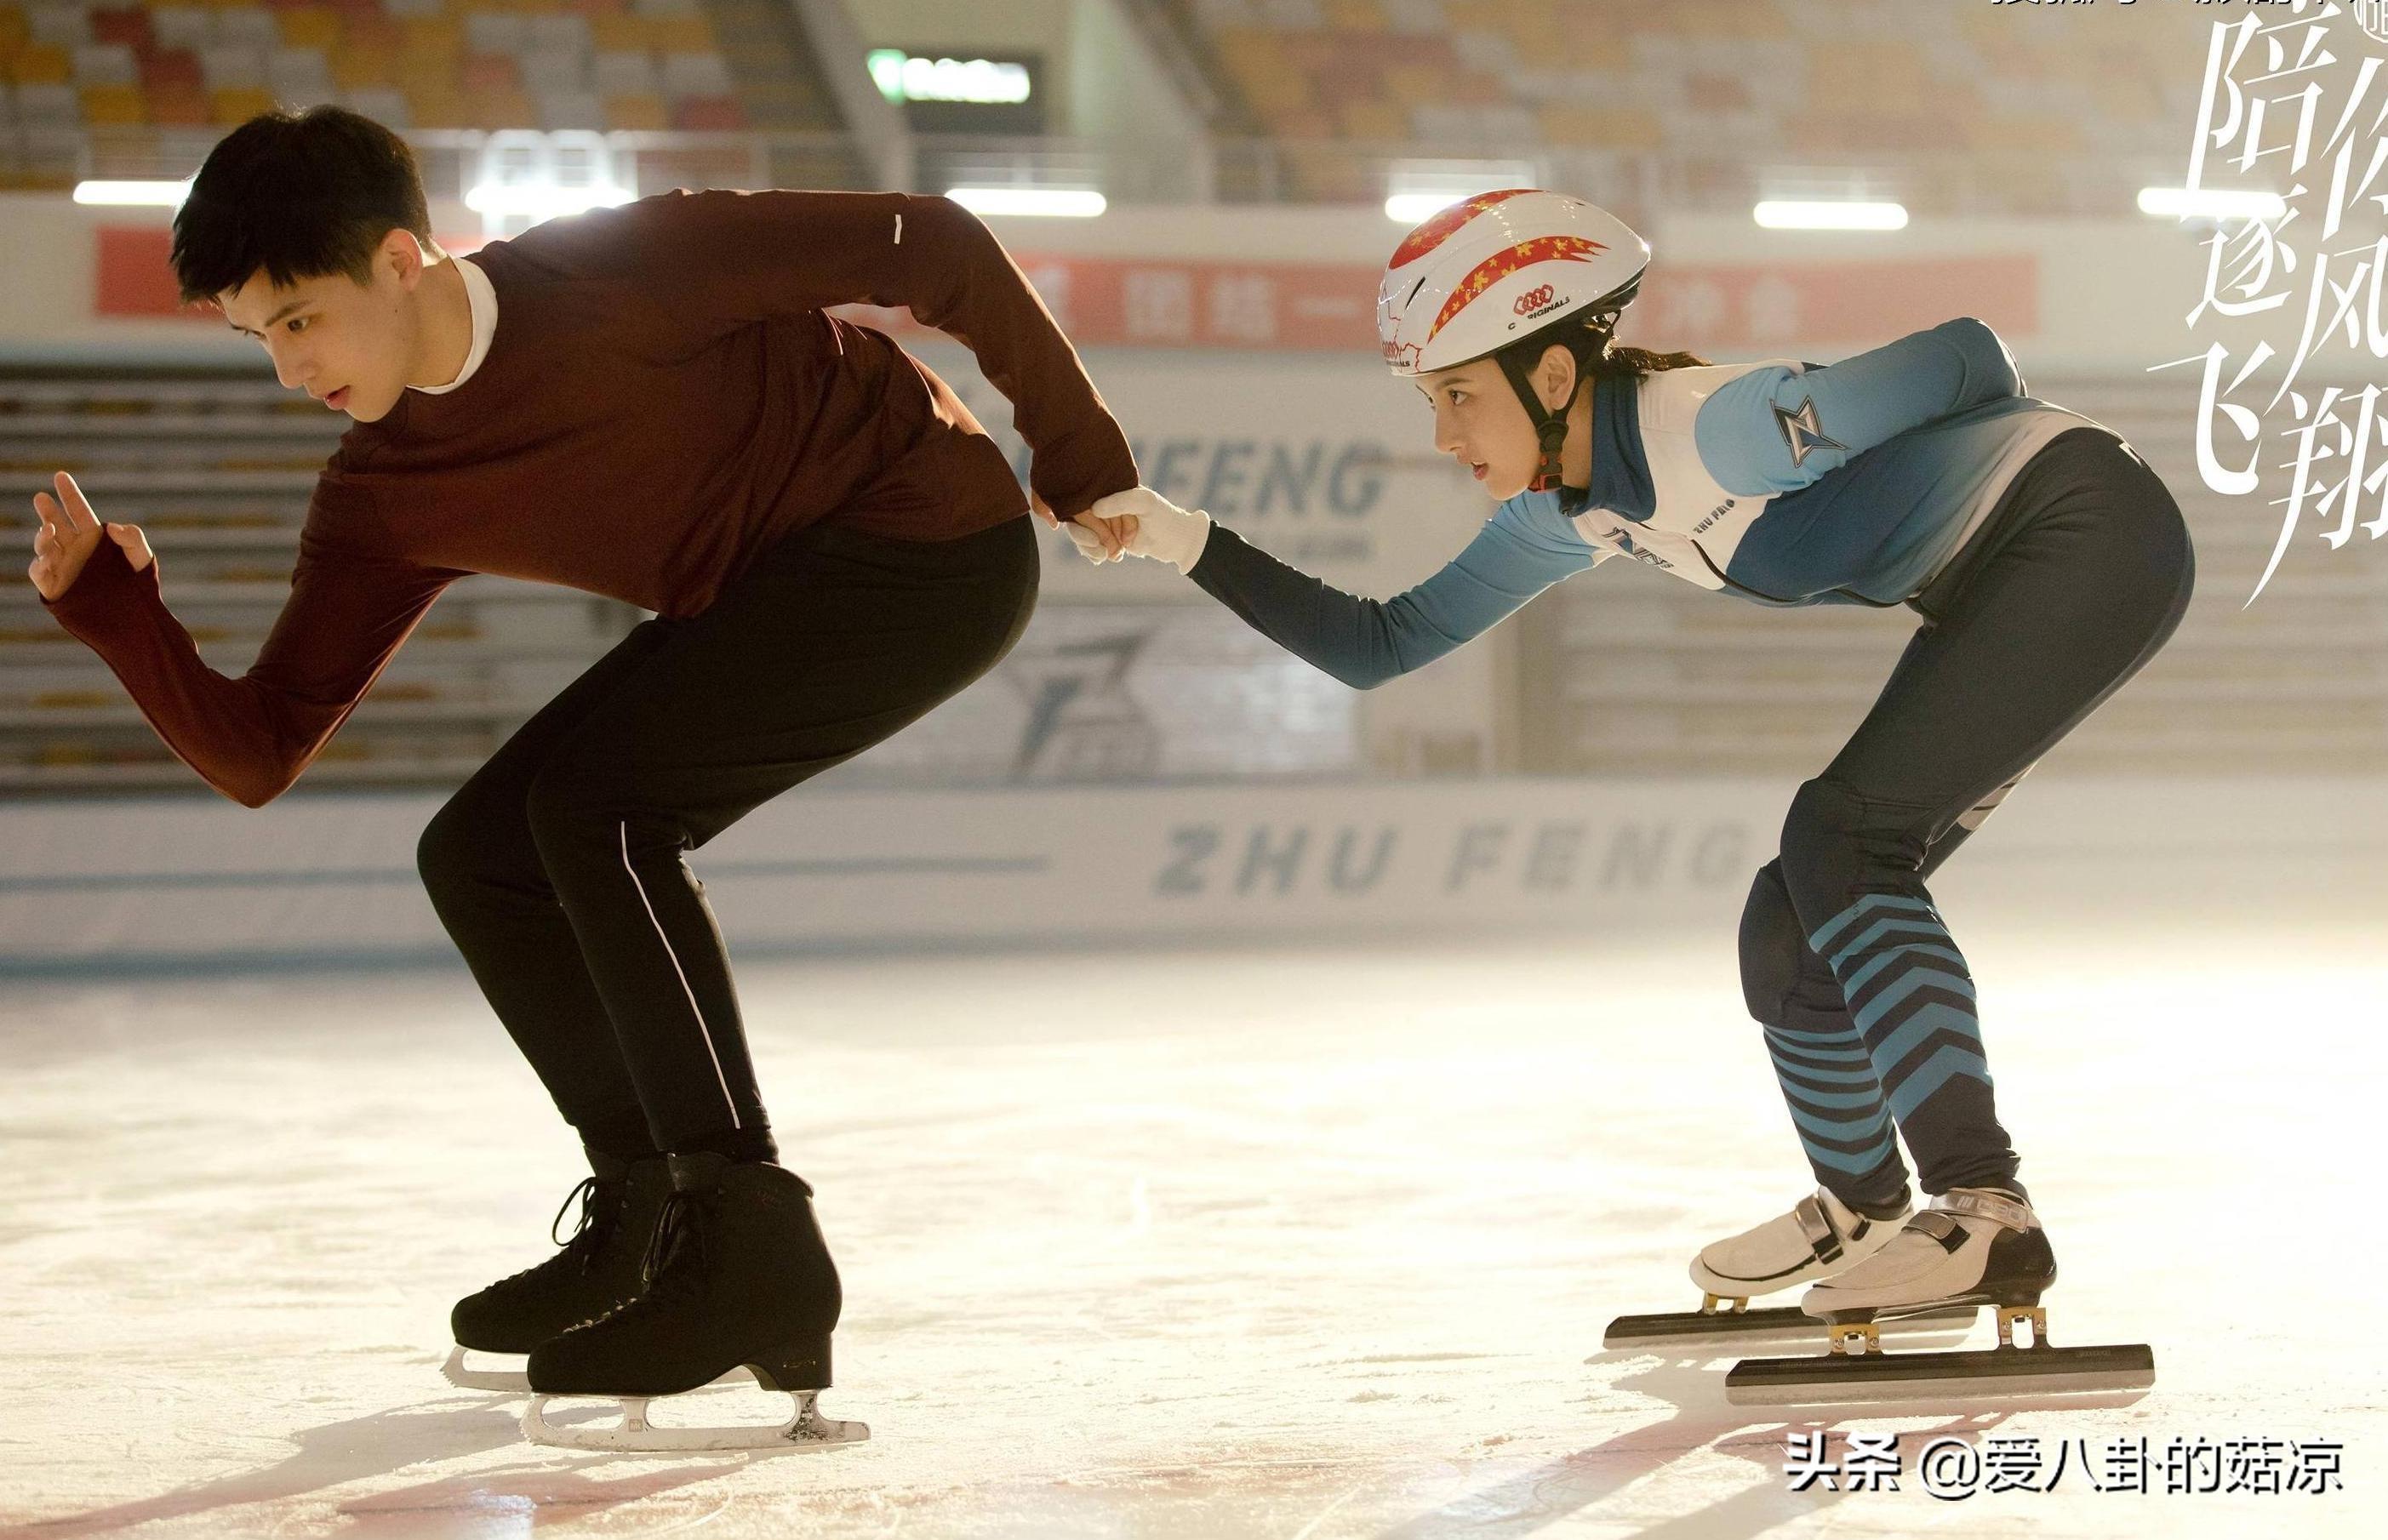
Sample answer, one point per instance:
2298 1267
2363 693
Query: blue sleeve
1774 430
1526 547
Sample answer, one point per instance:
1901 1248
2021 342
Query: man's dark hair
300 194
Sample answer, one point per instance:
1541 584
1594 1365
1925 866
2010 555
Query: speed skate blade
1825 1378
1786 1326
512 1380
807 1428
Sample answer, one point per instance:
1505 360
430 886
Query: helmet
1499 269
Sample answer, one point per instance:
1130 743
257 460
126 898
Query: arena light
1407 208
2212 203
544 200
1069 203
128 194
1829 214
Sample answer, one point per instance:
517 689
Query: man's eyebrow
273 320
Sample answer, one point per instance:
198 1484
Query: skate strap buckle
1822 1237
1986 1205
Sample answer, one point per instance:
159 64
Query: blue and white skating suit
1780 481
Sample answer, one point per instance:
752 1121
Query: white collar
483 298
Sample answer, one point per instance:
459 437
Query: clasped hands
1140 522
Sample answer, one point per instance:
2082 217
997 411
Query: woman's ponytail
1613 362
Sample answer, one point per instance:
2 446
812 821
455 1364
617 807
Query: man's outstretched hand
1087 531
70 532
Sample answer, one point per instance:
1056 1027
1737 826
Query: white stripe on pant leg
694 1009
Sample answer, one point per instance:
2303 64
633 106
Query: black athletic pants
557 868
2079 575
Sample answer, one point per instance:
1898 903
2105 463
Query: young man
646 402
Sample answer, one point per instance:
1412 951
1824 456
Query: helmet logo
1534 299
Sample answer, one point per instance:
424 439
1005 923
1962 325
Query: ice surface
1295 1244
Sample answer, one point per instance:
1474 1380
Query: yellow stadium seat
618 35
1532 29
431 37
113 105
1356 16
41 64
1417 85
238 104
14 31
437 104
1621 128
1273 97
492 111
637 112
179 106
1592 50
679 34
1270 81
1379 121
309 27
353 67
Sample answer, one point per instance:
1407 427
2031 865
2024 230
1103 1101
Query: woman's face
1479 422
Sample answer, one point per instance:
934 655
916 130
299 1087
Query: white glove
1162 529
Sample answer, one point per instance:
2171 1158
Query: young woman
645 402
2048 561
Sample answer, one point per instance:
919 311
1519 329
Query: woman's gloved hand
1144 524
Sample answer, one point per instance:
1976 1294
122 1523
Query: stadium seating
435 64
1837 77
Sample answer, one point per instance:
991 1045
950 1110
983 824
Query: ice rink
1299 1244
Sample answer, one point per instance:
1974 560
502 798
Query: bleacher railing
1218 169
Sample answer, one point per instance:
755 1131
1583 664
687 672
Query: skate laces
597 1216
676 1249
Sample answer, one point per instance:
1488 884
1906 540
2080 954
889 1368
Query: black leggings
2079 575
557 867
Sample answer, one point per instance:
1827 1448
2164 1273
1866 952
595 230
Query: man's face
344 343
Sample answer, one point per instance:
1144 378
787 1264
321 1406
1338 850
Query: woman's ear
1555 378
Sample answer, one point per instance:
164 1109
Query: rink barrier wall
91 888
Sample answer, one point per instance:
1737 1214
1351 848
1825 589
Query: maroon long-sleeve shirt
663 398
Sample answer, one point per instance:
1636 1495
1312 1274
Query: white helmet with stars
1496 270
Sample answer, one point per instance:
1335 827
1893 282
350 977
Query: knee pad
1771 945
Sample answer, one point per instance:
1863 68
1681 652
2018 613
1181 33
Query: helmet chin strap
1550 427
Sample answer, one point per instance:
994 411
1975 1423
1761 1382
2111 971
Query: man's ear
403 255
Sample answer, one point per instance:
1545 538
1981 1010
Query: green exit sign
908 77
